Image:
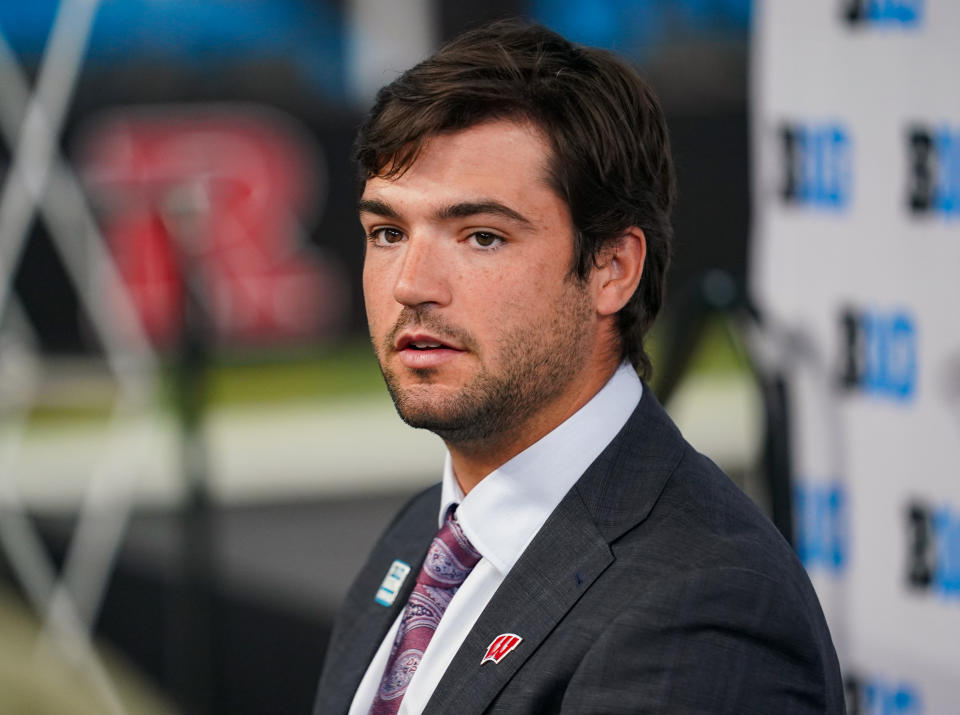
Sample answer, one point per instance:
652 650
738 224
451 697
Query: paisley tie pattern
449 561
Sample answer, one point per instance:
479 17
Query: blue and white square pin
396 575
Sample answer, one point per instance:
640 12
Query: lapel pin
396 575
501 645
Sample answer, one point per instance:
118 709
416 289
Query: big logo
820 523
896 12
934 175
879 696
878 353
208 203
933 549
817 165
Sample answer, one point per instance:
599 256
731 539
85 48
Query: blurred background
197 450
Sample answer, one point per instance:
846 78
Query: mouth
421 342
421 350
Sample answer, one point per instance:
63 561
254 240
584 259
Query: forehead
499 158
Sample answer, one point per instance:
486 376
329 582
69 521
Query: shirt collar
501 515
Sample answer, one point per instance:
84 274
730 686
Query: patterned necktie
449 561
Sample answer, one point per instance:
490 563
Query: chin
422 402
426 414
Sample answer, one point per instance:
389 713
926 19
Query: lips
421 350
422 342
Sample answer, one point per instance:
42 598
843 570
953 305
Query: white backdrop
856 254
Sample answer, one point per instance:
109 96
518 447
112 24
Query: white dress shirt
500 516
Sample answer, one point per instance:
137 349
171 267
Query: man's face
476 321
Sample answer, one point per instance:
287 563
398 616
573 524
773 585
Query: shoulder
651 485
703 529
702 508
718 597
704 597
712 639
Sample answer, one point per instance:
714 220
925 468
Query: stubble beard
534 367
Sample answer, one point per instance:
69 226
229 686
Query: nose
421 277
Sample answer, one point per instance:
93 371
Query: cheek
511 304
529 290
375 295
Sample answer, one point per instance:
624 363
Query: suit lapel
363 621
538 592
569 553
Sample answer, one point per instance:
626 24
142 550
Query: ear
618 271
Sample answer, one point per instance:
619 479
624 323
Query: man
516 193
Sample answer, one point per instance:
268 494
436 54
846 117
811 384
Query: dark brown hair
611 158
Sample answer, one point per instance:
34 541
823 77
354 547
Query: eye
485 239
385 236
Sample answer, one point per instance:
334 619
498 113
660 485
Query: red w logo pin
501 645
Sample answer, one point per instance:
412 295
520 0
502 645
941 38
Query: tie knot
451 556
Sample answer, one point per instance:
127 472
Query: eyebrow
476 208
377 207
463 209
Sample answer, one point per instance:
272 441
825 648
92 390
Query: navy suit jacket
655 586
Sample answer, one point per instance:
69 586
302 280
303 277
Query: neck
473 461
